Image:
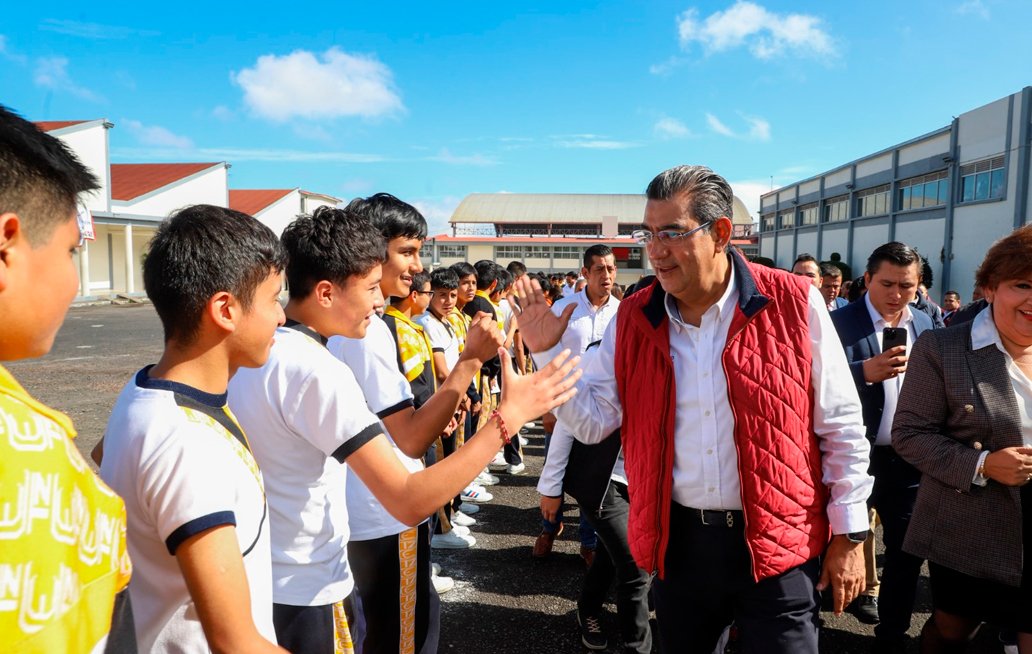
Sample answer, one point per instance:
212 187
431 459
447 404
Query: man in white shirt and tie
743 441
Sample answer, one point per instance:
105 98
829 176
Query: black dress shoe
865 608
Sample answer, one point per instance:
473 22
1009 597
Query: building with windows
949 193
550 232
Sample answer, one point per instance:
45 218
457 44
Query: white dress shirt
706 474
588 322
891 385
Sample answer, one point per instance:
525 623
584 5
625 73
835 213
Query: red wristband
501 425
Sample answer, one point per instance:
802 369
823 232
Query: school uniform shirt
414 355
304 413
442 337
184 466
374 362
63 554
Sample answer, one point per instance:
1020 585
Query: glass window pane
904 198
968 186
944 191
931 193
996 184
981 186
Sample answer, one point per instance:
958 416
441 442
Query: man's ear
323 293
223 311
11 236
721 229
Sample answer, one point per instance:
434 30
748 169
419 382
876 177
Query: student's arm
214 574
411 497
521 358
440 366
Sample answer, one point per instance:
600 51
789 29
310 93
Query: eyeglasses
430 293
665 236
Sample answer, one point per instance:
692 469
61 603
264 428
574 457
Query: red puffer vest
767 364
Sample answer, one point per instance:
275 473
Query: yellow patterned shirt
62 533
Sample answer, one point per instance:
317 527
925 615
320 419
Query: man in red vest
742 430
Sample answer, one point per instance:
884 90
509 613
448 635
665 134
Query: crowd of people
279 479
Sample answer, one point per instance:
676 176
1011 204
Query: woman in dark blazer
964 420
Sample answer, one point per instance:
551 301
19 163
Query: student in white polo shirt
198 527
306 414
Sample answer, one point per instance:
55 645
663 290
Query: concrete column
84 269
130 262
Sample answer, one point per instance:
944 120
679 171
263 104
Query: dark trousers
613 560
708 585
893 496
309 629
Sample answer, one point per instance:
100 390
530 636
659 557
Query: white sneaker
485 478
461 519
452 541
498 462
435 569
516 469
460 530
474 495
470 508
476 487
529 425
443 584
523 441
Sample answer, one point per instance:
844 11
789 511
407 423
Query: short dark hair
599 250
805 257
571 274
830 270
1006 259
487 273
504 280
40 178
463 269
896 253
420 278
517 268
331 244
709 194
445 279
390 216
952 293
200 251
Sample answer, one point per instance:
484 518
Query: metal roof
560 208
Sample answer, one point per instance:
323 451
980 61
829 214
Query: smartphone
893 336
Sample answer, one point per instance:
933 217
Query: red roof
51 125
251 201
130 181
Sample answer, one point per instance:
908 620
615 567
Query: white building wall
281 213
975 228
785 254
874 165
979 134
937 145
927 236
767 245
90 144
835 240
812 186
865 239
806 242
207 187
837 177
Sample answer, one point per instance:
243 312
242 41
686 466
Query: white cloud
223 113
156 136
749 192
94 31
671 128
332 85
6 53
52 73
973 7
444 155
758 128
437 212
664 68
592 142
766 34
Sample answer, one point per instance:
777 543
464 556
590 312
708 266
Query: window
809 214
536 252
836 209
787 219
929 190
508 253
982 180
567 252
451 251
873 201
768 222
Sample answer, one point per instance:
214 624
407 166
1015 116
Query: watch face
857 536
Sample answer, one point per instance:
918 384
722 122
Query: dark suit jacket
856 331
840 302
957 402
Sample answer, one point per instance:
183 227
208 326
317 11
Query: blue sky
432 101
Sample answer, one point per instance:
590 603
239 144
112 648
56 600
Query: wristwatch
856 536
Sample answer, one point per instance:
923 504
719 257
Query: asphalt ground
504 601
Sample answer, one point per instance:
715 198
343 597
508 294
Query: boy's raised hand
527 397
539 327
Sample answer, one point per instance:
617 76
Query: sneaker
460 530
516 468
543 544
435 569
529 425
443 584
474 495
461 519
591 632
865 608
470 508
452 541
485 478
523 441
498 462
588 555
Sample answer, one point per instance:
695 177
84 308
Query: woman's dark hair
1008 258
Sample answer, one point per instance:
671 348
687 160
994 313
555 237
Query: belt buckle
730 517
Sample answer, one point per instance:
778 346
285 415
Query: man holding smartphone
877 333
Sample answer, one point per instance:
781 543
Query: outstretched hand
528 397
540 328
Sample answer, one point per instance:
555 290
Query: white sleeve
595 409
374 362
838 424
550 483
329 411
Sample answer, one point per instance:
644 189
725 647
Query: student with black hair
40 180
198 519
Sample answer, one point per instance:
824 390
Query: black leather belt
713 517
